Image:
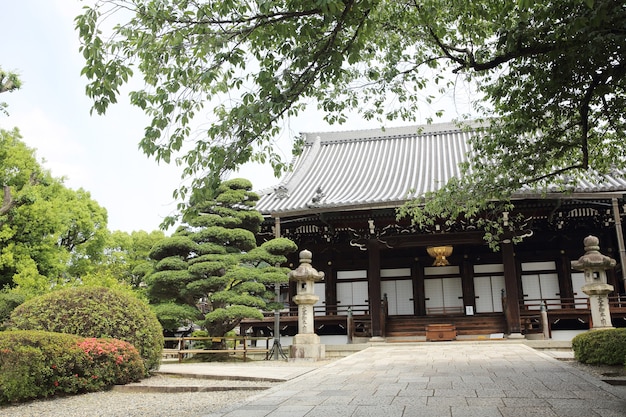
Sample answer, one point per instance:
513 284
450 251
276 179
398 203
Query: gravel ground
603 372
116 403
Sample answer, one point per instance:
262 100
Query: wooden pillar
331 287
620 241
467 278
563 265
373 286
511 288
418 289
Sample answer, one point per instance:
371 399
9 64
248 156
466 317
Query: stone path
439 379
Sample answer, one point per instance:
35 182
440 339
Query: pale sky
97 153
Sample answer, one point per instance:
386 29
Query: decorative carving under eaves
359 238
579 218
311 233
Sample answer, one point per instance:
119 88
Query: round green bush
605 347
37 364
8 303
95 312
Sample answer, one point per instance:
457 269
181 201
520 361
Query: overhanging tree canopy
548 74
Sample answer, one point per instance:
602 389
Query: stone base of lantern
600 314
599 304
307 347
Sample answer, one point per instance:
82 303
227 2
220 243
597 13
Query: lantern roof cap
305 271
593 259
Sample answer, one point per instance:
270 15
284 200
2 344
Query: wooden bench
440 332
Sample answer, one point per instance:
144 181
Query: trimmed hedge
37 364
95 312
605 347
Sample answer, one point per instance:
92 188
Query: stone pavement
268 371
438 379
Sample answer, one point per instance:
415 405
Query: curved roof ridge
387 132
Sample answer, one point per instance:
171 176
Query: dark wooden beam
511 288
373 284
411 241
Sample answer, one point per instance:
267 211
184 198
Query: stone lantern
306 344
594 265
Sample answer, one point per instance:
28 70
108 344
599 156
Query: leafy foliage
37 364
172 315
95 312
8 302
548 76
53 237
605 347
49 234
9 81
224 271
126 256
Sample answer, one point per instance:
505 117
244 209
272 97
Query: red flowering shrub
35 364
110 362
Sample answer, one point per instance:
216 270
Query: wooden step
407 326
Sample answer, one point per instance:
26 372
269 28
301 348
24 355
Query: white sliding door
488 286
399 296
351 293
540 282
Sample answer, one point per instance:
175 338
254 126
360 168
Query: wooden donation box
440 332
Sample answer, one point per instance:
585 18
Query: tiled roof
377 168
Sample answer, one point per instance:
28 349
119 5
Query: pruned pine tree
211 270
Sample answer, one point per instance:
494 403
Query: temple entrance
488 286
398 286
351 289
399 296
540 281
443 290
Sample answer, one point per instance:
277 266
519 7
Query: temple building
340 201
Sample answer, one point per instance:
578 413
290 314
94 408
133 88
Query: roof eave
395 204
333 209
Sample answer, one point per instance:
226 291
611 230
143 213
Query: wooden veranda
355 321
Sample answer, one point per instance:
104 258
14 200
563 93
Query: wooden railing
560 308
617 303
554 304
360 325
324 310
235 345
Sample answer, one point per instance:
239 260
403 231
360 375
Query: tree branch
8 202
312 71
555 173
